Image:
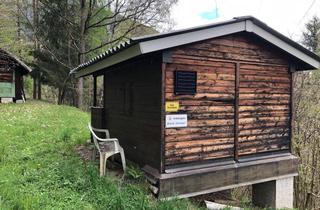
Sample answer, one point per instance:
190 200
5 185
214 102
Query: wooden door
210 131
264 108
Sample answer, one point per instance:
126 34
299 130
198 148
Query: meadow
41 169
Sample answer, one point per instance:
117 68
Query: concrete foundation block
19 101
6 100
275 194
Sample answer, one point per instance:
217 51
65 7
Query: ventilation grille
185 82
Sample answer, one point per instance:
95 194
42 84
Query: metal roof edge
283 37
162 41
167 42
125 54
187 30
288 46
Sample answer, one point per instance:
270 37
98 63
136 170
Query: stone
217 206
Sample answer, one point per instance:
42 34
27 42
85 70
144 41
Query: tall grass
39 168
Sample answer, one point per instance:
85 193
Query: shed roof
152 43
7 55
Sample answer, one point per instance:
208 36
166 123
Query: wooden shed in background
203 109
12 71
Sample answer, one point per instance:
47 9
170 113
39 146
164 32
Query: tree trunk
39 87
63 89
59 96
81 57
36 80
80 93
35 22
18 22
34 87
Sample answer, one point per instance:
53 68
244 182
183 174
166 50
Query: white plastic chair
104 148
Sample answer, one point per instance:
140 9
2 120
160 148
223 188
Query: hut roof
152 43
14 60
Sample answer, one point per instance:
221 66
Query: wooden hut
12 70
203 109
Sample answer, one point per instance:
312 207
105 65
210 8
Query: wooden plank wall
210 131
264 111
264 98
6 76
11 72
132 96
5 73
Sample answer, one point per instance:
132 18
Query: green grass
40 169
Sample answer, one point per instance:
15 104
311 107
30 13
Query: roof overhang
155 43
25 69
123 55
285 46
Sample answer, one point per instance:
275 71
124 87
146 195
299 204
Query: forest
55 36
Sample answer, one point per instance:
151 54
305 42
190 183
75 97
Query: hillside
40 168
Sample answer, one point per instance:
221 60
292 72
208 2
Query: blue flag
210 15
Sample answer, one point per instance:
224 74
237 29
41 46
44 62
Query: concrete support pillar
275 194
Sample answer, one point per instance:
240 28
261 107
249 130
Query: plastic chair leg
103 161
123 159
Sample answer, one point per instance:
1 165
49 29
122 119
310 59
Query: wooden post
34 87
163 113
103 90
236 113
94 90
23 95
39 86
292 111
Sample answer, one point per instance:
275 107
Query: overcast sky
286 16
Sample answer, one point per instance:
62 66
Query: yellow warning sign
172 106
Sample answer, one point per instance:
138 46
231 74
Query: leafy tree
127 14
69 32
306 141
11 37
57 53
311 35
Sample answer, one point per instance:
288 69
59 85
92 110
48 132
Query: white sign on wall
176 120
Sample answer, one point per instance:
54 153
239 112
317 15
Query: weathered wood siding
264 108
132 104
6 75
264 98
7 84
210 112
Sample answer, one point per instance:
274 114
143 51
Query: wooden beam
211 179
163 113
167 56
292 111
236 112
94 90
